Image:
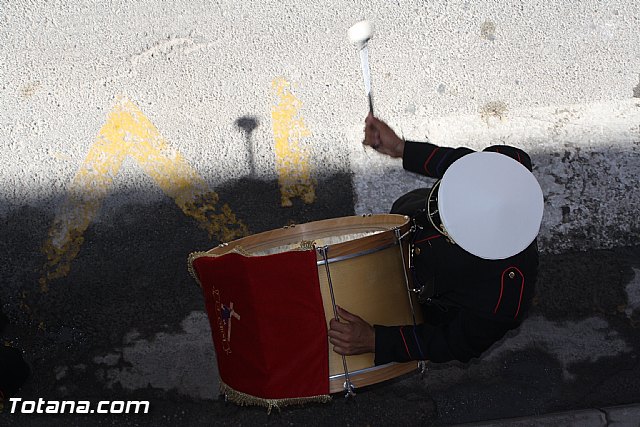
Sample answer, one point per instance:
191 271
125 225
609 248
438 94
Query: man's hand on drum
379 136
351 335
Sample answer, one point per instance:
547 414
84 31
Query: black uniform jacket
470 302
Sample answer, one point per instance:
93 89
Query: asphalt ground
120 326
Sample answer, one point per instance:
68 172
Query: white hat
490 205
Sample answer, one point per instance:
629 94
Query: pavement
614 416
572 362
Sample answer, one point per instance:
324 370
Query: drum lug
412 254
349 388
422 368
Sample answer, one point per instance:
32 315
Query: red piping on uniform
495 310
405 343
518 157
426 163
435 236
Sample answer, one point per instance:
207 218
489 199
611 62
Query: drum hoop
433 198
356 254
308 230
237 247
365 370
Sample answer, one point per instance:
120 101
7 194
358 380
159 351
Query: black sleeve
431 160
465 337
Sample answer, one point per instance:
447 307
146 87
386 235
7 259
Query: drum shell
368 279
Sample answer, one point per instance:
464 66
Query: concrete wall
554 79
133 133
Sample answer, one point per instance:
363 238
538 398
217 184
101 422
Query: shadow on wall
131 271
591 198
148 242
248 124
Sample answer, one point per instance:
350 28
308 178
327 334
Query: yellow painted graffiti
128 132
292 158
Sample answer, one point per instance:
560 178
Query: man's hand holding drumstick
379 136
351 335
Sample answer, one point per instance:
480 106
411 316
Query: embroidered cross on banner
227 314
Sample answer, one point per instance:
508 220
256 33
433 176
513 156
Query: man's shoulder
515 153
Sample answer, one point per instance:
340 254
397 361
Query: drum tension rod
349 388
411 230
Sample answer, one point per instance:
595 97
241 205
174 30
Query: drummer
475 265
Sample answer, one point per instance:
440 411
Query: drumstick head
360 32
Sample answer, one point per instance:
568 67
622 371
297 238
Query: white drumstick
359 34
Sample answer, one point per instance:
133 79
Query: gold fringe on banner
244 399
